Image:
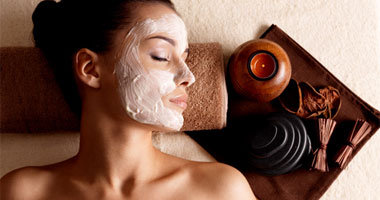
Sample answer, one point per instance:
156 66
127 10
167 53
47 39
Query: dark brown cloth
304 184
31 101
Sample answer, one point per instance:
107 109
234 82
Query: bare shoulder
221 181
24 183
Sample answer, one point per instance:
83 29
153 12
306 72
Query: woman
127 59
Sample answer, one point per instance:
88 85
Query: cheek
162 80
144 61
165 100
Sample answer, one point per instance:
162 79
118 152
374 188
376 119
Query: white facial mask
141 90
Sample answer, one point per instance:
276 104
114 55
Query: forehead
157 18
143 12
150 20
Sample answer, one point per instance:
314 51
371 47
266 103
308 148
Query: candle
260 70
263 65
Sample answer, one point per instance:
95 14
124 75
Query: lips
180 101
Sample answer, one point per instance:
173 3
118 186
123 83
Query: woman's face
151 71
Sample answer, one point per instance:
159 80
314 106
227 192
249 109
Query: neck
114 152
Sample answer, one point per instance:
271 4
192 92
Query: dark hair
61 29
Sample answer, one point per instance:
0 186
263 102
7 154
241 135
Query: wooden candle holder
260 70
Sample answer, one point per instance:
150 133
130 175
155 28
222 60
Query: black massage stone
278 145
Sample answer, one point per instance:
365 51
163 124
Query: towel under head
31 100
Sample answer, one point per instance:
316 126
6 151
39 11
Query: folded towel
31 101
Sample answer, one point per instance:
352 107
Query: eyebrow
172 42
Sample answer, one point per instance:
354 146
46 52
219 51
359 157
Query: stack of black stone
278 145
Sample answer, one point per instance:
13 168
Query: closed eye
159 58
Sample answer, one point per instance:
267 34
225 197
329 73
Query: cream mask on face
141 89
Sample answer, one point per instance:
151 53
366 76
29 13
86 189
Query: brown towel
31 101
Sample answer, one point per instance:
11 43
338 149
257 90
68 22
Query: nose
184 76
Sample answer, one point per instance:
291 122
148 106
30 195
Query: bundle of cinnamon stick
358 133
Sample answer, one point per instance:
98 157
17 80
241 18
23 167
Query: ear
86 67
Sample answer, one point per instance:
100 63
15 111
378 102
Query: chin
166 129
168 120
158 128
